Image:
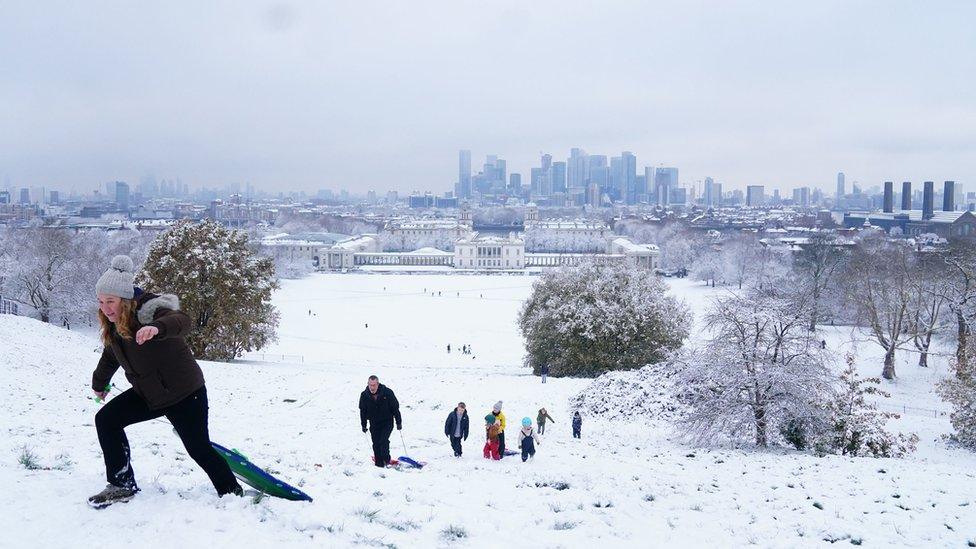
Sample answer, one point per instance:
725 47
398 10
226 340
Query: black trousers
456 444
501 443
528 448
189 418
381 443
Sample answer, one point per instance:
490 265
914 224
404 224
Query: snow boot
111 494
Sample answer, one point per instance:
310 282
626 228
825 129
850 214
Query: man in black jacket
379 405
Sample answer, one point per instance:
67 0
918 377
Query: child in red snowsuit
492 428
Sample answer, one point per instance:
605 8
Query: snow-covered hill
625 483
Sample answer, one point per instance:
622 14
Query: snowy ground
623 484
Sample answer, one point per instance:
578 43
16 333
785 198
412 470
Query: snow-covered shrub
960 392
649 392
586 320
761 369
857 428
223 286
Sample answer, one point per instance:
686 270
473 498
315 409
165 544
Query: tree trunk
759 412
889 363
923 359
962 340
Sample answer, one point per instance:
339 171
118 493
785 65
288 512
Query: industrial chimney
949 196
906 195
928 198
889 196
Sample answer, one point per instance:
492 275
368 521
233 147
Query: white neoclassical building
342 254
489 252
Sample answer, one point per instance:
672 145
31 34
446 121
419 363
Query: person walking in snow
379 406
456 427
492 428
527 439
577 424
143 333
497 412
540 420
448 348
544 371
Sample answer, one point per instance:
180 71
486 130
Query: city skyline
305 97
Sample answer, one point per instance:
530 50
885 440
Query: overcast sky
381 95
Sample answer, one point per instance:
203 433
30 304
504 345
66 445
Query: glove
399 427
364 429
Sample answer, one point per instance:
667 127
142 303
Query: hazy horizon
371 95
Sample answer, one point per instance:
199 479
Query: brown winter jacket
162 370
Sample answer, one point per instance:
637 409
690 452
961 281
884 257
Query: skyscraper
665 179
24 196
707 197
464 174
122 196
755 195
577 171
559 177
840 189
629 172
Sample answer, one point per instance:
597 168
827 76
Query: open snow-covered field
624 484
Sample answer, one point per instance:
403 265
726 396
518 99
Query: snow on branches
586 320
222 284
760 369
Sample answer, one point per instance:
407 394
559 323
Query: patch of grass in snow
454 532
335 528
649 497
567 525
555 508
401 525
603 504
28 459
557 484
369 515
818 505
63 462
373 542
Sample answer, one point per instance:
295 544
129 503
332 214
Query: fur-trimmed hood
146 312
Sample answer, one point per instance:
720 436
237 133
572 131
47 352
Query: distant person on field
540 420
456 427
577 424
544 371
379 406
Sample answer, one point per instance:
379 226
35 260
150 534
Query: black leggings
189 418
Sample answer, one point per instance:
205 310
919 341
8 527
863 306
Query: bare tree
932 291
960 261
816 264
880 285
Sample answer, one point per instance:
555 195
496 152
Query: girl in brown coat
143 334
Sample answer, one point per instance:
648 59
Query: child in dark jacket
492 428
456 427
577 424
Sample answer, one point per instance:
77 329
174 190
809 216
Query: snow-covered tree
960 276
960 392
47 270
586 320
857 428
932 289
816 266
739 258
222 284
760 369
879 282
